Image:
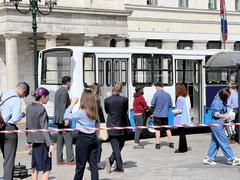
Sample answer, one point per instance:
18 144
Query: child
87 144
42 146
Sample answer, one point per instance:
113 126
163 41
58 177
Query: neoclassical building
80 23
178 24
168 24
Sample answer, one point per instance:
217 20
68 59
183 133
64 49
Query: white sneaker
236 162
209 161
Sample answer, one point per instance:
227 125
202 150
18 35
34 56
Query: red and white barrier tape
115 128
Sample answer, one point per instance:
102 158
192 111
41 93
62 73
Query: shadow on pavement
129 164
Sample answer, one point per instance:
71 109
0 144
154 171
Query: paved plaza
152 164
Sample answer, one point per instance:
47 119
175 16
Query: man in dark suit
116 107
62 101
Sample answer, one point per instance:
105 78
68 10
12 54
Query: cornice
74 10
146 19
133 7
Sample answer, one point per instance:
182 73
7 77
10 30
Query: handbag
102 134
176 112
2 122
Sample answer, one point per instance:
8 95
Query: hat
138 89
158 84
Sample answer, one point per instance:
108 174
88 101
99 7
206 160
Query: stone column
51 39
169 44
200 45
89 39
138 42
103 41
229 45
120 41
11 59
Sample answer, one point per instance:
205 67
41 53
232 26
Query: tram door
189 73
110 71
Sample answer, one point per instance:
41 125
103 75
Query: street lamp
34 8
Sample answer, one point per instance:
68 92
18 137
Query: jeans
219 139
138 122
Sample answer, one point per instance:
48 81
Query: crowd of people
91 113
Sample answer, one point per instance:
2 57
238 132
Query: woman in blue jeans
219 138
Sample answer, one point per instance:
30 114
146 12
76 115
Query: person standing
41 142
96 90
161 103
11 112
87 143
182 118
219 138
61 102
139 108
116 107
233 104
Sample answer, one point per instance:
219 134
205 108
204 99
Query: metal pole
35 54
224 44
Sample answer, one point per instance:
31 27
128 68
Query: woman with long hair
87 145
96 90
219 138
41 142
183 117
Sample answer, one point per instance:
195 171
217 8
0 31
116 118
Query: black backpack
2 122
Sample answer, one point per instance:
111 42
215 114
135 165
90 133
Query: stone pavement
152 164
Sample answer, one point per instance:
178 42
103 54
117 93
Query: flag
224 25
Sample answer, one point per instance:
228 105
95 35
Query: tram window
108 73
101 73
185 71
141 70
217 77
123 72
89 68
116 71
163 69
55 65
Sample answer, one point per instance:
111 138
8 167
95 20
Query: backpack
2 122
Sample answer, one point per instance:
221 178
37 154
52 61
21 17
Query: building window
55 65
183 3
127 42
153 43
214 45
237 5
89 69
182 44
162 69
212 4
152 2
142 69
113 43
237 46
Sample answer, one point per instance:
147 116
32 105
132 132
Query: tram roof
224 60
140 50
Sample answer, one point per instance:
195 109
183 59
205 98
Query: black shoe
118 170
177 151
158 146
171 145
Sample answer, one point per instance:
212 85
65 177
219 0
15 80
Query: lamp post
34 8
